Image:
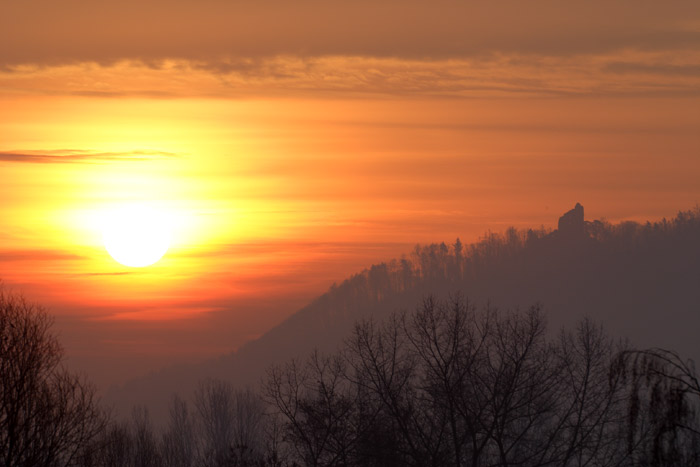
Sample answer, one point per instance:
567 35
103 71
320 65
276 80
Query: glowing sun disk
136 235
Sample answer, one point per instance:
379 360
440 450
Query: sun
136 235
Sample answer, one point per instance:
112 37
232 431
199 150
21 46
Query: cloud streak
37 255
690 70
618 74
66 156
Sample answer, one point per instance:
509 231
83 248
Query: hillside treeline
439 265
626 275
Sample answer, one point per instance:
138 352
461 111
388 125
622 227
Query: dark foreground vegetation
47 415
447 384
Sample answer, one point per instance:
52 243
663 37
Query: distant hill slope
641 280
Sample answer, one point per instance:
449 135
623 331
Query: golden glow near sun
136 235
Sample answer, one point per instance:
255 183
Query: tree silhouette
662 410
452 386
446 385
231 427
179 438
47 415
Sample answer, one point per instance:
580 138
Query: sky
291 144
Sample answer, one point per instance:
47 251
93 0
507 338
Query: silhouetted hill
641 280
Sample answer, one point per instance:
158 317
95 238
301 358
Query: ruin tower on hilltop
571 224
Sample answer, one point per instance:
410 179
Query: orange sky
295 145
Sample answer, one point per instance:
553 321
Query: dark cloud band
49 33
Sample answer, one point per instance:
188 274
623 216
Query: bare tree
386 371
215 406
146 451
590 419
113 448
448 340
317 408
179 443
248 445
231 425
662 407
47 415
450 386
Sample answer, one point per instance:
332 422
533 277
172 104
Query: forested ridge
613 272
523 251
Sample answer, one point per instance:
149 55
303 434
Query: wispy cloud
37 255
64 156
300 248
164 313
612 73
119 273
691 70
